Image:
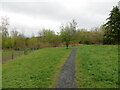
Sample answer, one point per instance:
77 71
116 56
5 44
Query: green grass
0 69
0 75
97 66
7 54
38 69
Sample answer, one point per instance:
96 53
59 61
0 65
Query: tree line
109 33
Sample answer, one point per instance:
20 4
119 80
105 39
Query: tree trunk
66 45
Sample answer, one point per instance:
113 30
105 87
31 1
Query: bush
86 42
80 42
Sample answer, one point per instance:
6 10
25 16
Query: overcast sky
30 16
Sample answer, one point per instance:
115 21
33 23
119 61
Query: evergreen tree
112 27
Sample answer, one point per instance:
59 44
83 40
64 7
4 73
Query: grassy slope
35 70
0 69
97 66
7 54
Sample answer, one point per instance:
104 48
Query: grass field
38 69
97 66
7 54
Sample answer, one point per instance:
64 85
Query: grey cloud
92 15
37 9
51 10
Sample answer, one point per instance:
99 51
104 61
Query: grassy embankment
7 54
97 66
38 69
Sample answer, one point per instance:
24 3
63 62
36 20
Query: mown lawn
97 66
38 69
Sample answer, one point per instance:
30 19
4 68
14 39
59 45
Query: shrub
86 42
